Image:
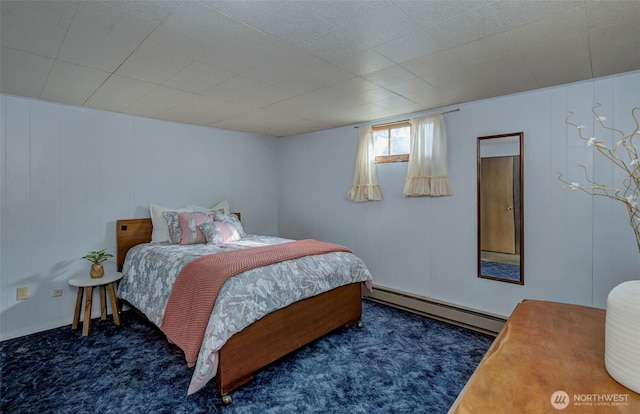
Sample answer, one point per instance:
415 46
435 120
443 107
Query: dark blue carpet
398 363
502 270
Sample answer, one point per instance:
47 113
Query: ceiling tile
334 44
153 64
268 122
198 77
437 64
235 88
615 49
158 101
118 92
609 13
38 28
473 25
285 20
622 34
616 59
513 14
372 22
481 50
416 90
153 11
410 46
197 20
72 84
559 26
265 97
200 110
389 75
379 94
177 43
305 65
558 62
361 63
23 73
506 74
355 84
429 13
102 36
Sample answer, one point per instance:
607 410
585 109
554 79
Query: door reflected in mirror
500 218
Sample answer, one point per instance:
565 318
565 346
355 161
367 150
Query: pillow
175 232
232 220
218 232
160 231
189 231
221 207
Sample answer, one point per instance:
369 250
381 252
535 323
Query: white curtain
427 170
365 182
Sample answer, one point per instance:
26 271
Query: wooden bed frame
271 337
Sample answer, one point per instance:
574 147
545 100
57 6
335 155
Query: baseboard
446 312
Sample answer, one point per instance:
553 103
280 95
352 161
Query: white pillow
221 206
160 231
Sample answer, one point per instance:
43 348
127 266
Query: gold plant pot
97 271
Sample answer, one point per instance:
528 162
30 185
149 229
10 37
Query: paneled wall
576 247
69 173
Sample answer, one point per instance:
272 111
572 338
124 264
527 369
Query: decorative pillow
189 231
218 232
232 220
175 232
160 231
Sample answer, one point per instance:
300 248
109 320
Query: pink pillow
219 232
189 222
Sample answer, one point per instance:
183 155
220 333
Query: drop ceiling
282 68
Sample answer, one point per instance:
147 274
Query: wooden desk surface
546 348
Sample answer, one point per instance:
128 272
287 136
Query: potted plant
96 258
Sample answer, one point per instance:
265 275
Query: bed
247 349
549 357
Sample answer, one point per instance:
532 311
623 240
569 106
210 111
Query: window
392 141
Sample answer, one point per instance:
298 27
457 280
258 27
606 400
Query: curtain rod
407 120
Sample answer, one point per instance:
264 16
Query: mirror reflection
500 219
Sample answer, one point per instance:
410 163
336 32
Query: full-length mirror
500 219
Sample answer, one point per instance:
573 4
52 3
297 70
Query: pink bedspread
198 284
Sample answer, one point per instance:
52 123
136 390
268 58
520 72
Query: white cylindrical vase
622 334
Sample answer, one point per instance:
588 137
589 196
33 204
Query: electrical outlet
22 293
57 292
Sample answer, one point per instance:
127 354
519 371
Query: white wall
576 247
69 173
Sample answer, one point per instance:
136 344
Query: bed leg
226 399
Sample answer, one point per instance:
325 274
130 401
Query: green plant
98 257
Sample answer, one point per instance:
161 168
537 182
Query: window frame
381 159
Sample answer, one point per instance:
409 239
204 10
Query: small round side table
105 282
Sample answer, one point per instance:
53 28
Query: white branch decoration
626 160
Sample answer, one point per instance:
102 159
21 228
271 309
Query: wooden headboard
131 232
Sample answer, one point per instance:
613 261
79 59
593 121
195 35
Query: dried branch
628 162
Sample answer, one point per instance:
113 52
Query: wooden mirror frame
517 208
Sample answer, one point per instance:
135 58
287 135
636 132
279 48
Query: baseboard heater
446 312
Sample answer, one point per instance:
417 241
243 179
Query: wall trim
447 312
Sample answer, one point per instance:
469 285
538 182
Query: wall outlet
22 293
57 292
